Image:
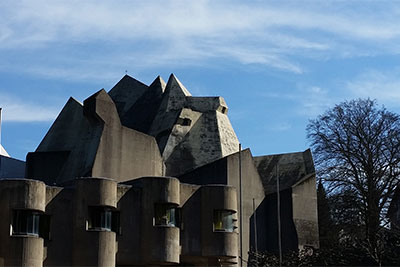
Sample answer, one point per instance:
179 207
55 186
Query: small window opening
103 219
223 111
184 122
223 221
165 214
25 222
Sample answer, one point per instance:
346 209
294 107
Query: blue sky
276 63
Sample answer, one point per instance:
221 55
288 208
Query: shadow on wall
11 168
267 224
60 227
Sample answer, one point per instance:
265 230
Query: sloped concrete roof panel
291 168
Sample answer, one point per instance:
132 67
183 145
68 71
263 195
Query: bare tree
356 147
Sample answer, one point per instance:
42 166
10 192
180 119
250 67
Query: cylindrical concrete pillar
21 203
219 235
160 235
94 239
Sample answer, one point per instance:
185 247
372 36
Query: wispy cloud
306 101
180 33
17 110
279 127
313 101
381 85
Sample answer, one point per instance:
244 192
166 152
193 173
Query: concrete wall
89 140
251 189
11 168
21 250
267 223
68 150
305 217
59 206
226 171
129 242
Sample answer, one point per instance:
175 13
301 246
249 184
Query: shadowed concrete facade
106 195
10 167
138 240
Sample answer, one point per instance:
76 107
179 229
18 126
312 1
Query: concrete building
150 175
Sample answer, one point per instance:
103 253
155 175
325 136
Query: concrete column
93 247
20 194
218 245
159 244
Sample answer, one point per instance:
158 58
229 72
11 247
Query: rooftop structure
150 175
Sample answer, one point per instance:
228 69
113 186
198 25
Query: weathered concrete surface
141 114
137 130
59 205
305 217
89 140
68 150
210 138
93 248
190 130
226 171
214 244
122 153
159 243
108 134
297 176
126 92
17 194
291 167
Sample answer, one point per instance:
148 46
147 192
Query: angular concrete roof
292 169
190 131
89 140
96 137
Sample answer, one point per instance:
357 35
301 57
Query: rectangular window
25 222
103 218
165 214
223 221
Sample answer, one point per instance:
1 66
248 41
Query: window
25 222
184 121
223 221
165 214
103 218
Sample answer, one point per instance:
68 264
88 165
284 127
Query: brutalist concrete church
151 175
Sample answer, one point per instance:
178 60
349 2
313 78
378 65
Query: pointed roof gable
141 115
126 92
175 94
176 86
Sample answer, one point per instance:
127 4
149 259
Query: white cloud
380 85
181 33
17 110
